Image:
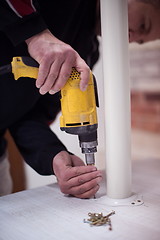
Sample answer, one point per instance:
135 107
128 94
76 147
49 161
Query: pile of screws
97 219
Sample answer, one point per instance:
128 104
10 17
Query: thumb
62 160
76 161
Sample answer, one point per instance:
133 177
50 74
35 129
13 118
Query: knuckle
49 54
58 52
80 180
77 171
60 55
94 182
70 51
69 48
81 190
53 75
46 56
42 75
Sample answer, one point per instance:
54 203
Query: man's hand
56 60
74 177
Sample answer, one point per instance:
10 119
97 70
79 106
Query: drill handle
24 67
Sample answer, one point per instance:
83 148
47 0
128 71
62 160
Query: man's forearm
37 144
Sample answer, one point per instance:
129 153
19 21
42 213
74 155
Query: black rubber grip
96 91
30 62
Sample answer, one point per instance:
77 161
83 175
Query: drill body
79 116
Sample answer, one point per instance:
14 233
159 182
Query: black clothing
23 110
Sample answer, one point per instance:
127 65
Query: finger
64 74
84 71
44 69
84 191
84 178
76 161
51 77
82 188
88 194
72 172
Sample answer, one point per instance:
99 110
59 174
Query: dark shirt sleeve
20 20
35 140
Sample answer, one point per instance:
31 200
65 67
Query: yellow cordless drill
79 116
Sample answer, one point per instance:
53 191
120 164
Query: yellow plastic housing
20 69
78 107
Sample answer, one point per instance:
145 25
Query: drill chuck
88 143
89 148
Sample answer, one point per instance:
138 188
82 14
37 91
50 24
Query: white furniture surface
44 213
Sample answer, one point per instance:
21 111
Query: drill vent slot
76 124
73 124
85 123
